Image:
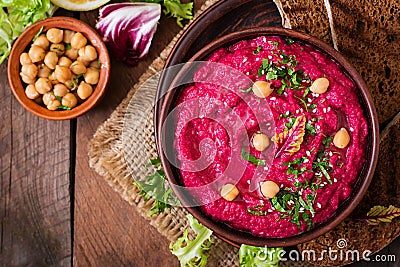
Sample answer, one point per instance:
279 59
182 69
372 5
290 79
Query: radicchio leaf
128 29
380 214
289 141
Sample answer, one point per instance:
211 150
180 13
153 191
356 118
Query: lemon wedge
79 5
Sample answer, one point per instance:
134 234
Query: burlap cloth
122 146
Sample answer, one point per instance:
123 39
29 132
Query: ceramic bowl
23 43
166 102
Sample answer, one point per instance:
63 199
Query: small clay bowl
165 103
23 43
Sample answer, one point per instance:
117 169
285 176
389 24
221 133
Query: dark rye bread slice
367 33
307 16
384 190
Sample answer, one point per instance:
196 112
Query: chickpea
51 60
83 60
78 67
59 49
44 71
24 59
30 70
62 74
229 192
319 86
60 90
43 85
71 84
69 100
53 104
260 141
91 76
84 90
42 42
341 138
95 64
47 97
36 53
71 53
262 89
53 78
64 62
269 189
27 79
68 36
31 92
88 53
55 35
78 40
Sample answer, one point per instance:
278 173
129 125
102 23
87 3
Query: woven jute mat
122 146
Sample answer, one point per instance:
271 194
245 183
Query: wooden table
55 210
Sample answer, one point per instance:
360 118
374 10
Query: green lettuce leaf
191 252
174 8
16 16
250 256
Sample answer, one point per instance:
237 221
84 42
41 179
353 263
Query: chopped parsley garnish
293 167
257 50
290 123
310 128
252 159
292 204
67 46
64 107
38 33
321 162
256 210
59 98
306 92
327 141
248 90
289 41
312 106
302 101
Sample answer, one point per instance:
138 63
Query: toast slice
385 191
367 33
308 16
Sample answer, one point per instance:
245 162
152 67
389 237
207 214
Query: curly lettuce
191 252
16 16
250 256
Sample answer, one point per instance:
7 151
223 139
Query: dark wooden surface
54 209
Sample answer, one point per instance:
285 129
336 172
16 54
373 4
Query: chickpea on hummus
318 142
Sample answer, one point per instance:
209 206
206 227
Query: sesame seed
269 57
247 73
285 94
263 72
324 110
318 127
297 111
334 180
257 59
248 181
244 60
301 209
273 98
287 112
351 129
281 56
266 168
306 161
322 185
309 100
264 39
283 67
330 154
269 210
308 105
329 109
308 153
314 110
319 205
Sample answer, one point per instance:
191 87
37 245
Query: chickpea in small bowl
62 68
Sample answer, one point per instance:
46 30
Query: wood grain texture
107 230
35 199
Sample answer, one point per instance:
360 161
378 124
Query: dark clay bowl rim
237 237
25 40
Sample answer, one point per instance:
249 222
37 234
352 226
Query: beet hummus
317 141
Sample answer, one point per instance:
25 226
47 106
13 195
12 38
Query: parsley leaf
250 158
257 50
64 107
